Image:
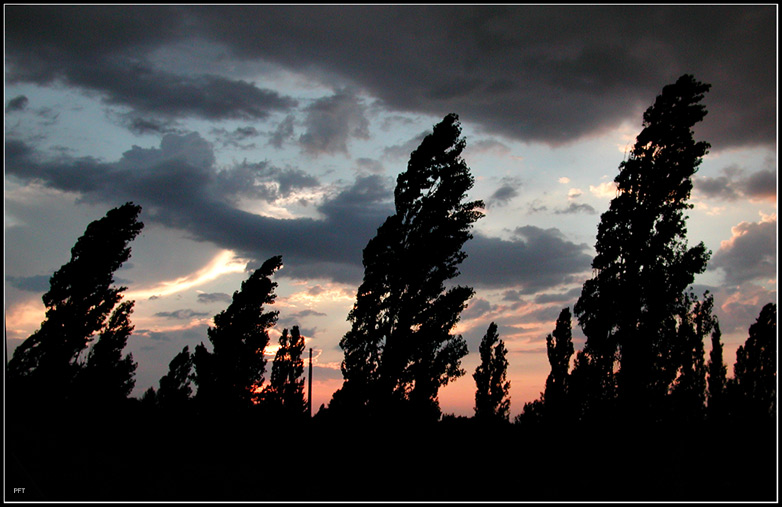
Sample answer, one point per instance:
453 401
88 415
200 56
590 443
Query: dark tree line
644 358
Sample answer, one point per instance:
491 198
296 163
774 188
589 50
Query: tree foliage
107 376
78 304
175 386
628 309
285 392
492 399
559 347
755 372
231 375
400 350
697 322
717 375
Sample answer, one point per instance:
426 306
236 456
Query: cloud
561 297
181 314
214 297
403 151
735 184
332 121
18 103
574 208
46 45
282 133
606 190
534 260
476 308
236 137
535 73
263 180
37 283
142 126
750 253
505 193
178 186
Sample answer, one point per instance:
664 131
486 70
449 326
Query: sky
251 131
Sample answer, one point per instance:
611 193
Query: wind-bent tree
175 386
231 375
79 301
628 309
688 391
754 389
717 380
285 392
559 346
492 400
107 377
400 350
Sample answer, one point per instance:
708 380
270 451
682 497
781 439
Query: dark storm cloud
214 297
735 184
564 297
263 180
36 283
178 186
142 126
507 191
18 103
535 259
104 49
332 121
181 314
574 208
543 73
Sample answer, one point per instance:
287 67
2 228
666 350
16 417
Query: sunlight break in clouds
223 263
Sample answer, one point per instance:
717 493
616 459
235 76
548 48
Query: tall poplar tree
400 350
175 386
492 401
717 380
688 391
559 347
106 376
628 309
285 391
754 383
78 304
231 375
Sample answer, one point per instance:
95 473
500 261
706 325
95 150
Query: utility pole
309 388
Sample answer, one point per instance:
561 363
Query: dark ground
148 457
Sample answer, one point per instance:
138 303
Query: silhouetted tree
400 350
559 346
149 399
80 299
175 390
718 372
589 392
107 376
231 375
688 391
753 385
628 309
285 391
492 400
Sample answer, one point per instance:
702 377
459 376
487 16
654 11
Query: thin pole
309 388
